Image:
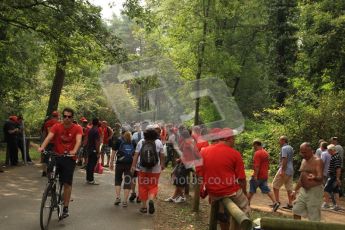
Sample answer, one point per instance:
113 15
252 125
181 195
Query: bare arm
135 161
110 134
46 141
243 185
338 171
319 171
284 165
162 160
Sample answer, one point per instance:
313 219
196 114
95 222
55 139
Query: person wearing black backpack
124 151
149 161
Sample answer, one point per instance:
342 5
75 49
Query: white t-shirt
159 149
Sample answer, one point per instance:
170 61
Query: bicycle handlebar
46 152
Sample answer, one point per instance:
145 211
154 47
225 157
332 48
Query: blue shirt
326 158
287 152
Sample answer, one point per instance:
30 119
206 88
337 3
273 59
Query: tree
70 28
282 43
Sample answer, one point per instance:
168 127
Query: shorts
123 171
179 176
280 180
331 185
106 149
308 203
65 168
262 184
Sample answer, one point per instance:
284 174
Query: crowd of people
138 152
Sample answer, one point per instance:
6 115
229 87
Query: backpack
125 153
148 154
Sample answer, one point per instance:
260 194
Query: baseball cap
13 118
55 113
83 119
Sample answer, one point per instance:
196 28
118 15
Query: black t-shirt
9 125
92 138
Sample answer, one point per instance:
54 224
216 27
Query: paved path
92 208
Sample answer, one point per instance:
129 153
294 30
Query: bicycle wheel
47 206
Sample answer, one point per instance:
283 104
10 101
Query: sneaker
170 199
117 201
336 208
124 204
325 205
132 196
178 199
92 182
143 210
275 206
288 207
151 207
65 213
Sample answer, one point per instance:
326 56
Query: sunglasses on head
67 116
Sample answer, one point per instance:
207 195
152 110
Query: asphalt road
92 208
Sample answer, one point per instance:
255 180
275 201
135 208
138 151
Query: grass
34 154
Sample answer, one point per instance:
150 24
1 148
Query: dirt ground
172 216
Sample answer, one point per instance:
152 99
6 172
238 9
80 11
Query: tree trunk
201 52
60 72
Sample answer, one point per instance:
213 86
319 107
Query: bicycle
52 198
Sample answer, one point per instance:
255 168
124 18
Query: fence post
196 201
213 215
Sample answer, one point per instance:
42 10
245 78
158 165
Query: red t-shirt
200 142
105 134
261 160
221 169
50 123
190 152
65 138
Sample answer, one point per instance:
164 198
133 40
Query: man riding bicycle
67 139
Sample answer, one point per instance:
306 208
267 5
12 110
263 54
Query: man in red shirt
67 139
260 175
106 134
223 174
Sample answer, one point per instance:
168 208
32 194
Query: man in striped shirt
333 182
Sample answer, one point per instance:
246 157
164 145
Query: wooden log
291 224
241 218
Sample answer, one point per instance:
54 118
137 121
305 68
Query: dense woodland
283 61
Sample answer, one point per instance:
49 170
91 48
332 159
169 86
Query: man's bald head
306 150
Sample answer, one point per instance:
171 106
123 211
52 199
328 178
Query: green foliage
322 42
